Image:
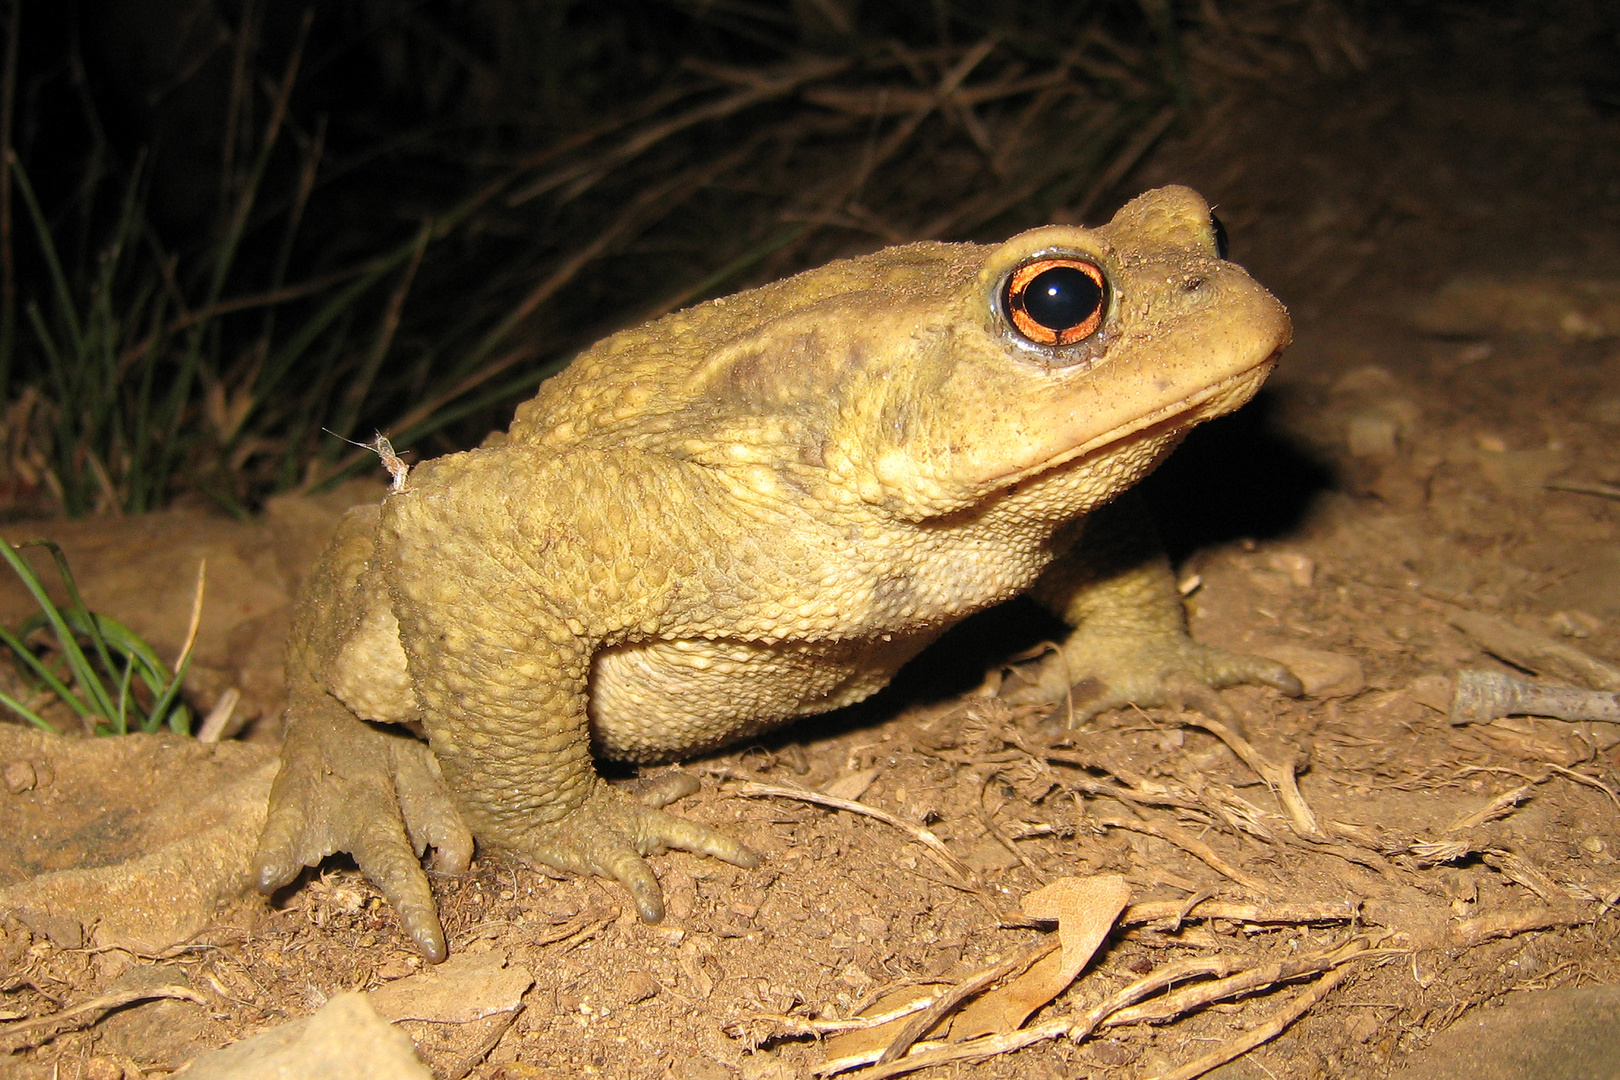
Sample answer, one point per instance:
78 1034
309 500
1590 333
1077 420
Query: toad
751 511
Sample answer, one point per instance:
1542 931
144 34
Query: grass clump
110 678
401 215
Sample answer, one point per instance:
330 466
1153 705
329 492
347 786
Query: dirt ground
1436 442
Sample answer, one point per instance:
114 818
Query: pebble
1323 674
19 776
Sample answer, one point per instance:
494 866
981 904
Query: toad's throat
1206 403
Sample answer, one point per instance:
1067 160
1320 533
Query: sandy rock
469 986
141 838
345 1040
1571 1033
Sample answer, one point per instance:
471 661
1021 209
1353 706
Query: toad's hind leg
349 785
500 670
1130 643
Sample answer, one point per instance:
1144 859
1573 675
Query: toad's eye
1056 300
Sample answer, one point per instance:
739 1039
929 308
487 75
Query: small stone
1323 674
19 776
345 1040
640 986
1571 1033
1300 569
1574 623
1593 845
1372 434
102 1068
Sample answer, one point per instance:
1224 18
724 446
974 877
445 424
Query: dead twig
1483 696
1199 995
947 1002
1078 1028
1129 789
1532 877
1499 807
1501 924
792 1026
1590 781
1580 487
1329 911
754 790
988 1046
1279 777
15 1036
1192 846
1262 1034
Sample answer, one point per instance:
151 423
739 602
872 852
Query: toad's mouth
1214 399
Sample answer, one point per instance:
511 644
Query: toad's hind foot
1099 671
346 785
610 832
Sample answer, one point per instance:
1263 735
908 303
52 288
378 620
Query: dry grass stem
1589 781
22 1033
1264 1033
1518 869
947 1002
1079 1027
196 617
754 790
1280 778
799 1026
1197 996
1607 491
1193 846
1499 807
218 720
1328 911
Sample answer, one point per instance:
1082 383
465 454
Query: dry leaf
863 1040
1085 910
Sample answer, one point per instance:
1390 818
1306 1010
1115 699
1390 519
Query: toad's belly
661 699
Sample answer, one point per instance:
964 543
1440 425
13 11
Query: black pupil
1062 297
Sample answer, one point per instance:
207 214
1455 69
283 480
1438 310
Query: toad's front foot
610 832
1106 669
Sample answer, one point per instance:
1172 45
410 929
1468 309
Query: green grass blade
82 621
121 721
166 708
83 674
27 714
152 670
45 674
